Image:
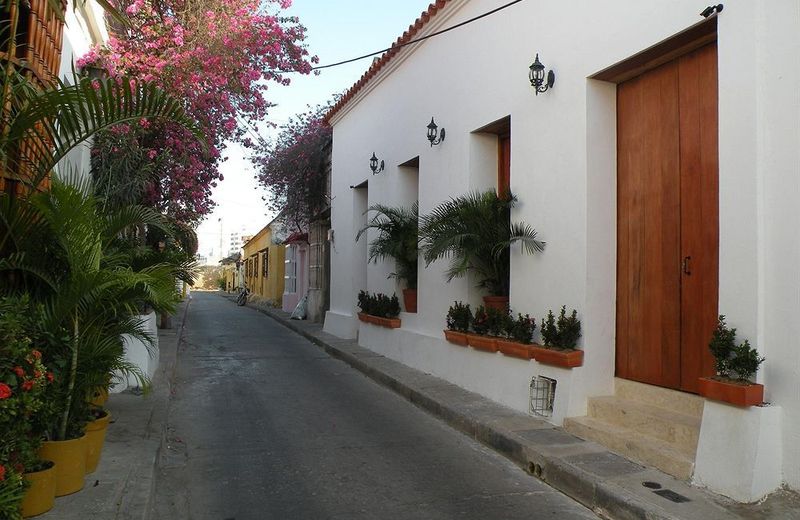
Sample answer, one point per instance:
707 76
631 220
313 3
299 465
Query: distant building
237 240
264 264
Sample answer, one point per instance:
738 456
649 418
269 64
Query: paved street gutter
605 482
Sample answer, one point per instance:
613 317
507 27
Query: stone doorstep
633 445
681 402
679 430
603 481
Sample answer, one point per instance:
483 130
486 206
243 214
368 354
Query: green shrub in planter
731 361
489 321
459 317
521 328
563 332
379 304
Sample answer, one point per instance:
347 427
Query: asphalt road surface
265 425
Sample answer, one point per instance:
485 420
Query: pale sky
336 31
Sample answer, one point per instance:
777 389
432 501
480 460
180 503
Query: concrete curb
600 480
157 424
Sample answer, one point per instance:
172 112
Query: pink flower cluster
220 57
293 167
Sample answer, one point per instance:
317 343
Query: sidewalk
122 486
610 485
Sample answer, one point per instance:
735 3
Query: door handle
685 265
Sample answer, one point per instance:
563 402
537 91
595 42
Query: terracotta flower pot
364 317
95 437
455 337
514 349
731 392
496 302
70 459
410 300
485 343
41 493
565 358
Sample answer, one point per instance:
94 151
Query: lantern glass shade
373 162
432 130
536 74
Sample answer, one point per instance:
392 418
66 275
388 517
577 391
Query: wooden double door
668 221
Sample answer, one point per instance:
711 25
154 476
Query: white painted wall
84 28
143 356
563 170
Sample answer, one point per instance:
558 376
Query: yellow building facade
264 266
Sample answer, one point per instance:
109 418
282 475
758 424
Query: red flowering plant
24 381
220 57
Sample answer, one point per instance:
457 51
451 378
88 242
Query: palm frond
55 120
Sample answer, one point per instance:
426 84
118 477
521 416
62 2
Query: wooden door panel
699 212
648 228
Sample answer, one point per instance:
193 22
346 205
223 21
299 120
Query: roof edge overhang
431 20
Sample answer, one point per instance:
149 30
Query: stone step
679 430
681 402
632 445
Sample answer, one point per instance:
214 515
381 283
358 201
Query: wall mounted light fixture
536 75
712 9
374 166
435 136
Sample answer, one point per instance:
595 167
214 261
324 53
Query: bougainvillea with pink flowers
293 167
220 56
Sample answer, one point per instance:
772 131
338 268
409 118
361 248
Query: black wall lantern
373 164
433 133
536 75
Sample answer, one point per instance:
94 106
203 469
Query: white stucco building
663 171
84 28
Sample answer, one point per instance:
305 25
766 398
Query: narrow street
264 425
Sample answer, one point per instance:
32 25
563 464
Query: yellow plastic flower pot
70 459
95 437
41 493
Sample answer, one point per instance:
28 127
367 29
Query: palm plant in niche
476 233
397 238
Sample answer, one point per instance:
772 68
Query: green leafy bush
379 304
490 321
520 329
563 332
733 361
459 317
480 321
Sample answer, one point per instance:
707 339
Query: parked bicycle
241 300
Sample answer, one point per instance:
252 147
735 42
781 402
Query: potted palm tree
90 295
476 233
397 239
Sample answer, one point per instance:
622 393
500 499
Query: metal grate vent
543 394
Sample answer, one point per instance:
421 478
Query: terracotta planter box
515 349
567 358
731 392
389 323
455 337
486 343
496 302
